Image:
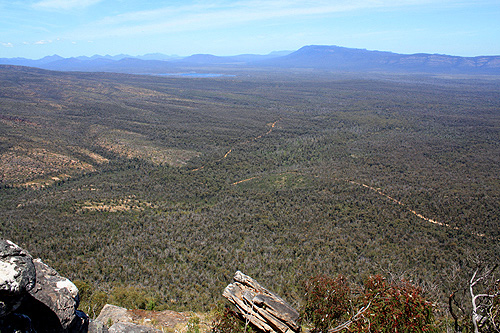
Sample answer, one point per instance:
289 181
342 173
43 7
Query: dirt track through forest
382 194
379 192
273 125
376 190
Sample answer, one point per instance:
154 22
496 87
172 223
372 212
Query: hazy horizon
174 56
36 28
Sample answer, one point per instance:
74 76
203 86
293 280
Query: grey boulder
111 314
17 276
123 327
52 304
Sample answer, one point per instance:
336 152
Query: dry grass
41 166
115 205
134 145
95 157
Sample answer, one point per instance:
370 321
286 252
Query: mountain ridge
349 59
318 57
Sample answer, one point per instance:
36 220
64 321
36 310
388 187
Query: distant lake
195 74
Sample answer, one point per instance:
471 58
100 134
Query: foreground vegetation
153 191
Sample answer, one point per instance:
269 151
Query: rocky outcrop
17 276
34 297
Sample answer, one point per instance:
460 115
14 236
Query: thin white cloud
64 4
203 16
216 14
8 44
42 42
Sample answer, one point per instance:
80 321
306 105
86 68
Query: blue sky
37 28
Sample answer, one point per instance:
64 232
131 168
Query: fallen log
259 306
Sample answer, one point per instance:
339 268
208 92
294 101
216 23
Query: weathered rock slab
262 308
112 314
96 326
131 328
166 318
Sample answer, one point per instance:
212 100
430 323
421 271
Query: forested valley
163 187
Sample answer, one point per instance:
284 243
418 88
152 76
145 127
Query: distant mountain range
321 57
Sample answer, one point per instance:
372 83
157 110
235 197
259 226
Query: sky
37 28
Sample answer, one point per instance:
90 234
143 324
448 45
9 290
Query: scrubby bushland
341 185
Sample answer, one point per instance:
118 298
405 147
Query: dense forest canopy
171 184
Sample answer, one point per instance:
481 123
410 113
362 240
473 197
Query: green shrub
327 302
381 307
193 325
395 307
92 300
133 298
